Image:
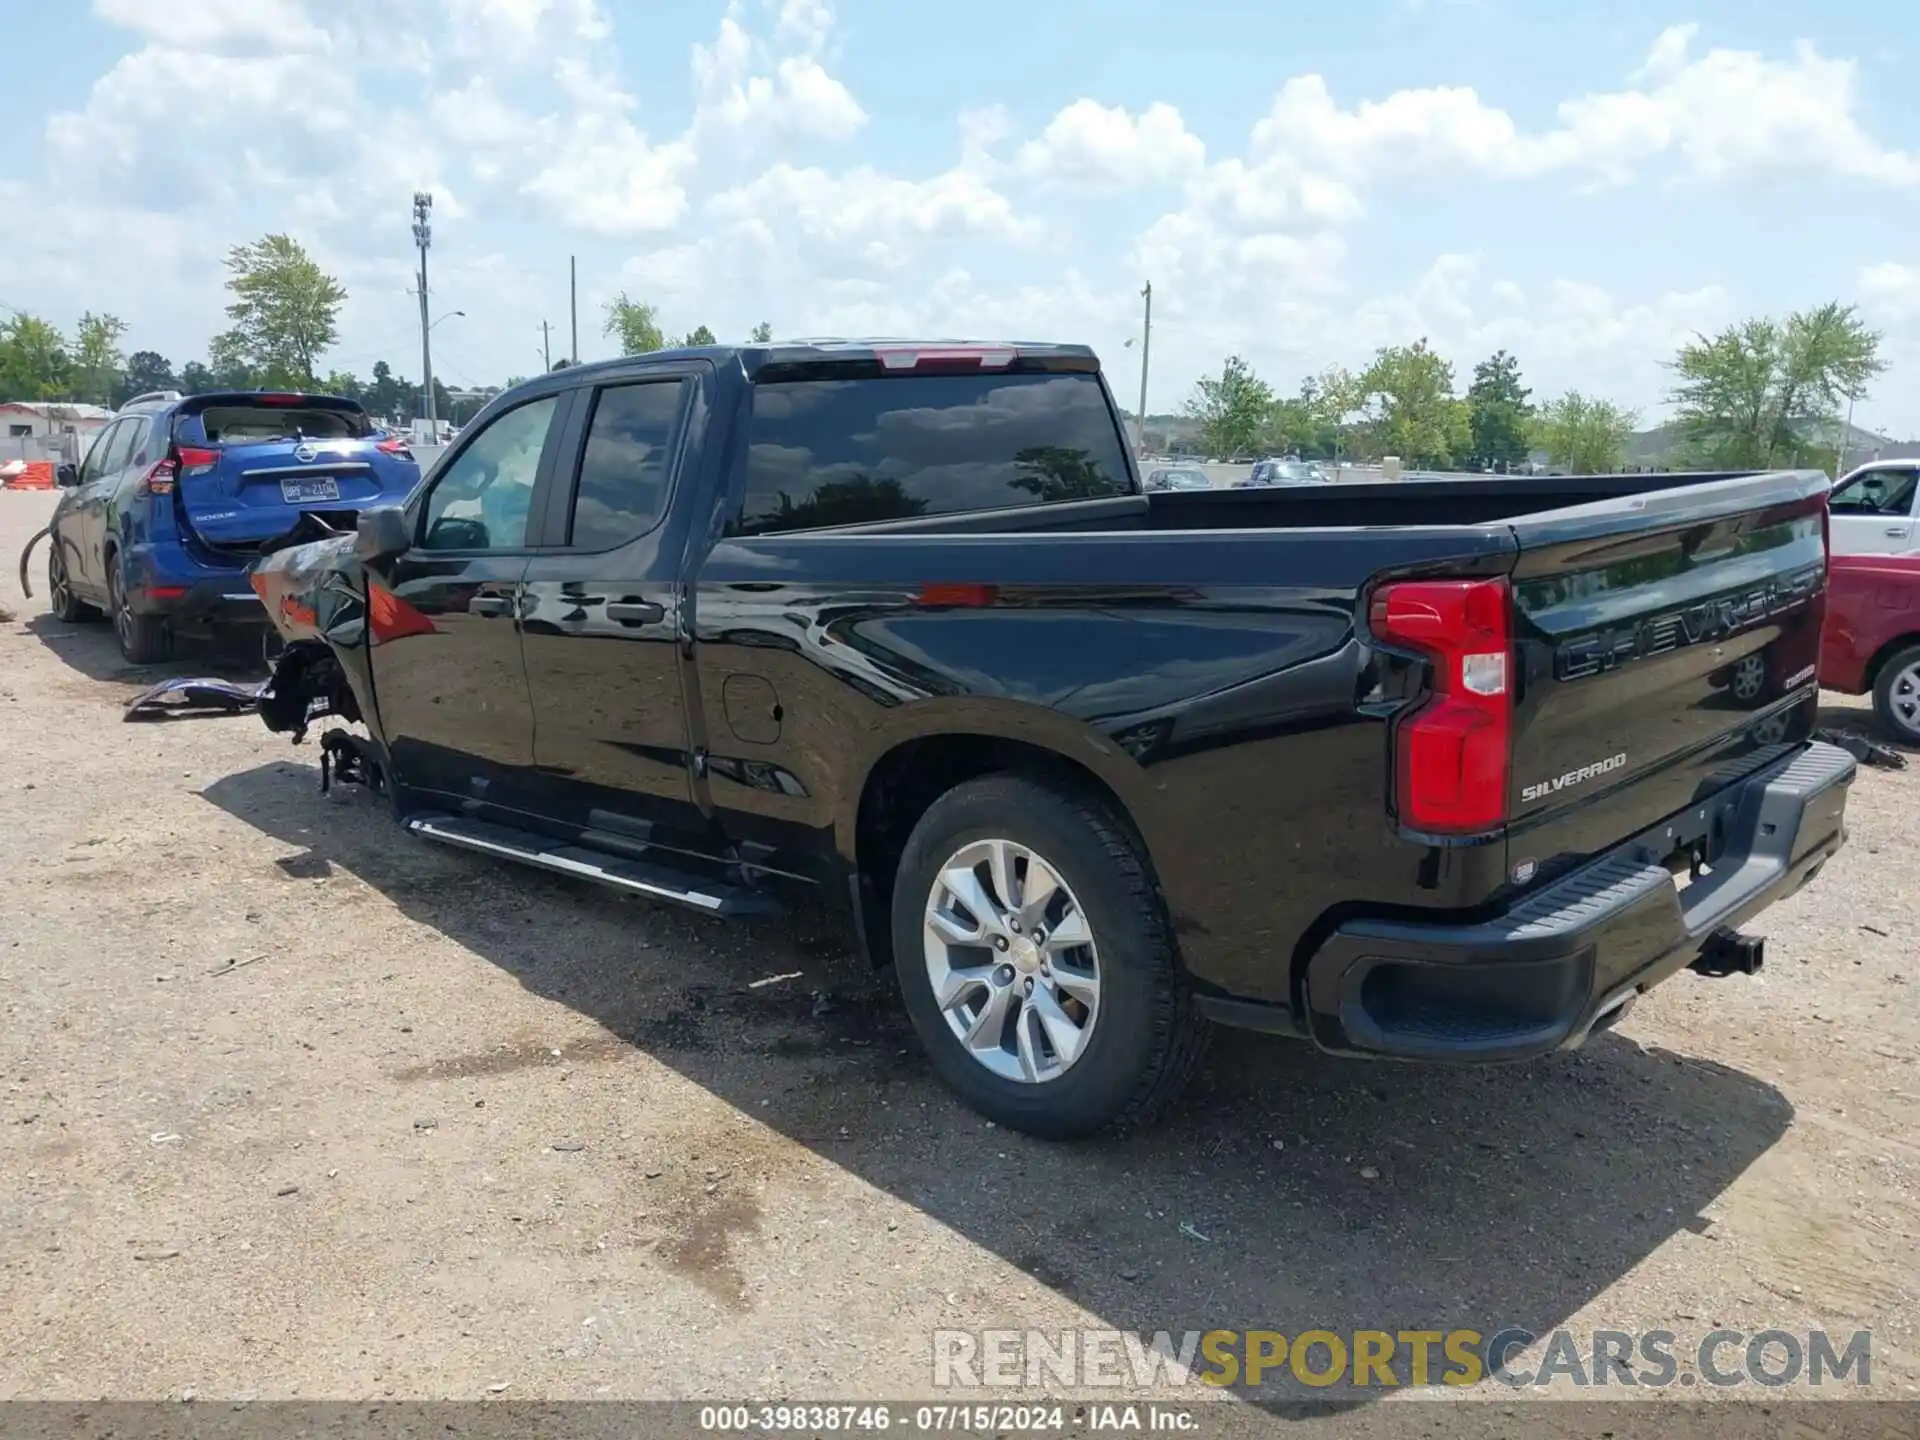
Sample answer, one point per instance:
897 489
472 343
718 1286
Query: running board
636 877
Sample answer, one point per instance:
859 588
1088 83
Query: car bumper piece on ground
1567 959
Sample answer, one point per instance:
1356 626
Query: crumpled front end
315 595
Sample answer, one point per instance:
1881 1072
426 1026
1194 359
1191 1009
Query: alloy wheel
1903 698
1012 959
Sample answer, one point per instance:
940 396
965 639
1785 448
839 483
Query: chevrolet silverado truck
1434 771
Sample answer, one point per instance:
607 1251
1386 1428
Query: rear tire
144 639
1896 695
1123 1059
61 600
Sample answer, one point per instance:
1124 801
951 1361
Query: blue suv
179 494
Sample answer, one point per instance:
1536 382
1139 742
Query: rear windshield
849 452
250 424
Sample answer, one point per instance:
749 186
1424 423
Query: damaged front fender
315 593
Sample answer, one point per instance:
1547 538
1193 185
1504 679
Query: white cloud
764 194
1893 290
867 214
220 26
1103 147
797 99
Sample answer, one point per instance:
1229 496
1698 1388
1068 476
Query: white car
1873 509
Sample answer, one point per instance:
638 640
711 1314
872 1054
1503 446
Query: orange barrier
37 476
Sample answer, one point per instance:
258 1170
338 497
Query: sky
1584 186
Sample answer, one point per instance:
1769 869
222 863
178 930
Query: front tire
1037 961
144 639
1896 695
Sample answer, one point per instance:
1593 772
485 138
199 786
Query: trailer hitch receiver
1728 952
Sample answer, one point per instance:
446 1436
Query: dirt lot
450 1126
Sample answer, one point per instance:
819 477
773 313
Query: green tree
698 336
762 333
1587 436
34 363
385 395
1412 413
634 324
97 358
196 378
1767 393
145 370
285 311
1498 413
345 384
1233 408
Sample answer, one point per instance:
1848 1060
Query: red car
1871 638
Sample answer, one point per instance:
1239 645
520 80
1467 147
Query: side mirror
383 532
65 476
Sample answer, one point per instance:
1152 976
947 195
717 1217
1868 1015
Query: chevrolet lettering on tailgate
1710 620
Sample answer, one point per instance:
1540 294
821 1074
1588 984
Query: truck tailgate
1666 644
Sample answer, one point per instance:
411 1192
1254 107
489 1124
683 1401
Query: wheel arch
1885 653
906 776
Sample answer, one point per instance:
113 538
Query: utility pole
546 354
1146 343
423 237
573 304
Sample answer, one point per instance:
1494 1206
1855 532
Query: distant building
35 418
49 429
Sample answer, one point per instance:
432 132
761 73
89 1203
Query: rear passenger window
628 463
121 447
848 452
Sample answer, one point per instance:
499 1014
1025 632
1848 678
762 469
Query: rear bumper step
636 877
1568 956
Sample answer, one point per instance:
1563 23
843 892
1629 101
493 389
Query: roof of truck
892 352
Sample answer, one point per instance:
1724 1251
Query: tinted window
481 500
101 451
844 452
624 473
121 450
149 440
1876 492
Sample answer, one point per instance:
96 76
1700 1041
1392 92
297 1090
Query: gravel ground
295 1106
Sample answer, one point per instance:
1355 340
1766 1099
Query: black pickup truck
1421 770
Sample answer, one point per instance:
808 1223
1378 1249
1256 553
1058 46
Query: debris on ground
1867 752
200 694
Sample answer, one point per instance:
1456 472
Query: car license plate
306 492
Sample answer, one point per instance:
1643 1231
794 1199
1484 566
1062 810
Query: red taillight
392 445
1452 754
275 399
158 480
185 460
929 357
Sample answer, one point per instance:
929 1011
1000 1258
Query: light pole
423 237
1146 346
1846 438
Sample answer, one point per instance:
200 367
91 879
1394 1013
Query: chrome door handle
490 605
632 612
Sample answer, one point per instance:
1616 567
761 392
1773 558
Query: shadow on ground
88 648
1290 1191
